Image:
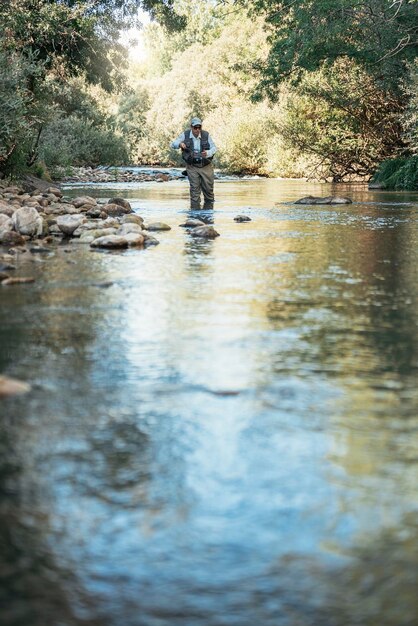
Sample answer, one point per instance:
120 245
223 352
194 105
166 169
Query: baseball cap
196 122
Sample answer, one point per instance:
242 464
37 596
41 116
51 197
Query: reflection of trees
374 584
351 292
51 487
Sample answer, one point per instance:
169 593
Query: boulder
192 223
69 223
82 201
110 242
5 222
134 239
149 240
156 226
121 202
326 200
27 221
54 191
207 232
32 183
125 229
242 218
132 219
6 208
114 209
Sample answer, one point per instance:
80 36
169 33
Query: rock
12 387
110 241
121 202
18 280
32 183
98 232
69 223
6 223
375 185
192 223
156 226
134 239
83 201
94 212
58 208
326 200
7 209
3 275
115 209
242 218
54 191
27 221
125 229
39 249
132 219
149 241
11 238
207 232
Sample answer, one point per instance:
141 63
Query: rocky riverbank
118 175
34 221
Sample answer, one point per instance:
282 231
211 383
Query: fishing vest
187 154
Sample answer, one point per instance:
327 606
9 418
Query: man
197 148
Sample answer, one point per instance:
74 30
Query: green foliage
49 43
18 113
337 114
76 141
410 117
376 34
398 174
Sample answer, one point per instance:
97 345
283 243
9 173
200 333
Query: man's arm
212 148
177 142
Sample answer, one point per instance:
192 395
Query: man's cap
196 122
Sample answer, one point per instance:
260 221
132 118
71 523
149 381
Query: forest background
326 89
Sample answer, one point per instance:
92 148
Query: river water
219 433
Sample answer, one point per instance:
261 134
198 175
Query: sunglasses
197 127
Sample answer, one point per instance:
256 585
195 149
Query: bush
17 116
74 141
399 174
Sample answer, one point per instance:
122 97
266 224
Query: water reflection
225 434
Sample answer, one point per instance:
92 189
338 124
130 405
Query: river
219 433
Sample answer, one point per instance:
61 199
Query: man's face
196 130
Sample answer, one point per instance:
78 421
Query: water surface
220 433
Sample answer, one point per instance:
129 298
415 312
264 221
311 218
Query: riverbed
219 433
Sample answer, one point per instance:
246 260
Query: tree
379 35
56 41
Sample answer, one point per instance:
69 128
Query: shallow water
220 433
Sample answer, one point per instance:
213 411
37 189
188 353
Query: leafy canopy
379 35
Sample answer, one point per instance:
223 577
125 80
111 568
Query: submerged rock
242 218
192 223
110 242
326 200
156 226
206 232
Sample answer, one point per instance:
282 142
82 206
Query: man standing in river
197 149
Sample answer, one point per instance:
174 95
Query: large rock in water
110 242
326 200
27 221
69 223
123 203
206 232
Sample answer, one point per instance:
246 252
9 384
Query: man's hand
203 153
183 145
